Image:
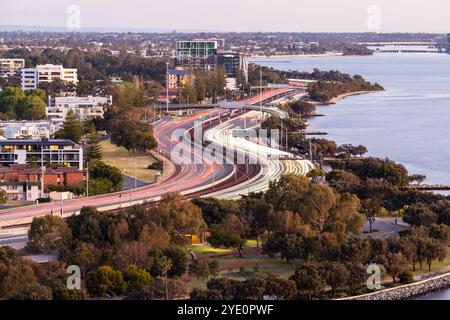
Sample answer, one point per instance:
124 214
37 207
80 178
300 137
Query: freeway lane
188 178
271 168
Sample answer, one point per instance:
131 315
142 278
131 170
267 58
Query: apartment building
83 107
44 152
11 67
177 77
22 182
28 130
32 77
197 54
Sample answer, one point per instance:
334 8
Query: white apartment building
83 107
32 77
28 130
11 67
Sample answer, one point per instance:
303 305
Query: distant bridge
405 43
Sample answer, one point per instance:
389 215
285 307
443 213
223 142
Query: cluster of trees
289 124
22 279
93 65
202 84
140 252
124 120
300 107
330 84
104 178
18 105
133 135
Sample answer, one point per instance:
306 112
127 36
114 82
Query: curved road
207 178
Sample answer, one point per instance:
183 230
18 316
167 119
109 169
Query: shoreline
340 97
410 291
316 55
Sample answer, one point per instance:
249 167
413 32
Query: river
408 123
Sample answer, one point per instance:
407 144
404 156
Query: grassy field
119 157
230 264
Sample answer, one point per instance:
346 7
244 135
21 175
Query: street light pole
87 179
260 90
167 86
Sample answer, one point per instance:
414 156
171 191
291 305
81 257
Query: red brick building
24 183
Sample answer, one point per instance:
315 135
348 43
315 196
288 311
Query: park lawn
264 264
204 250
119 157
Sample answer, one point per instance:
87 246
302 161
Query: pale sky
237 15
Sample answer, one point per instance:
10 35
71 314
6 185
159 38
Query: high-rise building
234 63
11 67
197 54
32 77
44 151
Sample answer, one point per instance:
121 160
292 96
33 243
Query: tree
418 178
133 135
286 193
337 275
203 268
216 82
94 150
229 234
309 280
164 264
302 107
419 215
105 281
99 170
71 128
179 260
200 83
136 279
188 92
19 105
15 273
161 289
132 253
395 264
3 196
33 292
342 180
316 205
48 234
371 208
179 217
85 255
434 250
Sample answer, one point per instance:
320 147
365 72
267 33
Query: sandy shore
340 97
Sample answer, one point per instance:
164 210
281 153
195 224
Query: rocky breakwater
410 291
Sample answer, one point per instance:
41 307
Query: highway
207 178
272 167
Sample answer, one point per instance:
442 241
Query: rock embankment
409 291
